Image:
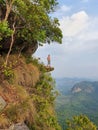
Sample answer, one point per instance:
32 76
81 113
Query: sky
77 55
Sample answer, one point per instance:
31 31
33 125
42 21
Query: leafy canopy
32 20
81 122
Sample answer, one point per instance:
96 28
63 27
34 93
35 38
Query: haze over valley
76 96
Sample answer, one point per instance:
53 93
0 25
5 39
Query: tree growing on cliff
33 24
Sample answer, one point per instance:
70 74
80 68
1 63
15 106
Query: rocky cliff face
84 86
14 91
18 126
26 96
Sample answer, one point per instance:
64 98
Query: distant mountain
81 99
65 84
85 86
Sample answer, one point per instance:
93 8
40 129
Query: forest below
76 97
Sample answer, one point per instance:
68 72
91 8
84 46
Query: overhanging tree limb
33 23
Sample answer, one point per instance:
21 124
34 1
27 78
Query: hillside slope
26 96
82 99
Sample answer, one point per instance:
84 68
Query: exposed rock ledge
19 126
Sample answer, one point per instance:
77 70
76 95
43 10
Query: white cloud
77 56
80 32
65 8
73 25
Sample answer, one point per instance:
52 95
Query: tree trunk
11 45
8 9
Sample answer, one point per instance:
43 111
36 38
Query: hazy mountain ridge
82 98
85 86
64 85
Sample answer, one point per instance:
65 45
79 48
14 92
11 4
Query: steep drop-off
26 95
81 99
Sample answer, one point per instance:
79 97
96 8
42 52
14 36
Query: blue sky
77 55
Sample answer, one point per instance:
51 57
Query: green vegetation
27 101
7 71
25 23
80 123
5 31
75 103
25 84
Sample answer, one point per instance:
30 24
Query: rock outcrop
84 86
18 126
2 103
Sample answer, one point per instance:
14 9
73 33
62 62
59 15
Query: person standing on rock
48 60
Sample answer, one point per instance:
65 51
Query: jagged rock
49 68
84 86
76 90
19 126
2 103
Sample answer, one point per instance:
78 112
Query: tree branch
11 45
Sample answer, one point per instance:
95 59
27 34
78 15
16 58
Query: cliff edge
26 96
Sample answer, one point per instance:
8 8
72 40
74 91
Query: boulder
19 126
2 103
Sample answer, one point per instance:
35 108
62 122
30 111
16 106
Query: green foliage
43 98
39 26
36 62
5 31
69 104
30 59
32 104
81 122
8 72
32 22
